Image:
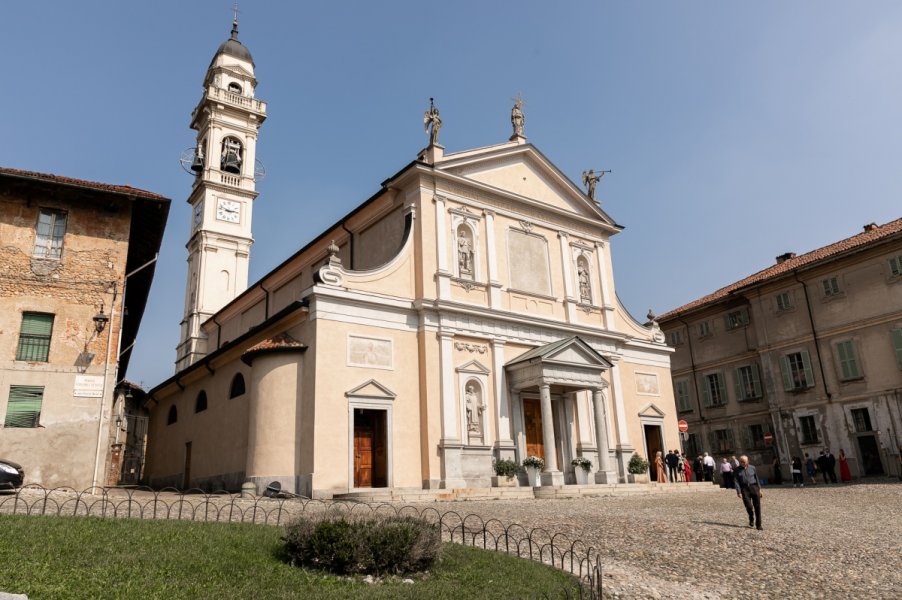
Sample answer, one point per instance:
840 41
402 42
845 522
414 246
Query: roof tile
104 187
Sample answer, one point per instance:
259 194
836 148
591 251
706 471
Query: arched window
234 87
584 280
173 415
466 254
237 388
200 404
232 155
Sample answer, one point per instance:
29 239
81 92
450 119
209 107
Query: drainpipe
106 372
817 346
350 244
701 414
265 301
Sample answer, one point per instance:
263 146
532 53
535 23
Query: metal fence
468 529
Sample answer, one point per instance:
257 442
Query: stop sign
768 438
684 426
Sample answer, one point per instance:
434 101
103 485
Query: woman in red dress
844 473
687 466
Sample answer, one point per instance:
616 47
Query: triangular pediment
571 351
371 389
525 171
651 410
474 366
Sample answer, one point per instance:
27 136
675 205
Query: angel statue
518 119
590 180
430 117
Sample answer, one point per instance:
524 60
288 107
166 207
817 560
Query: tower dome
232 47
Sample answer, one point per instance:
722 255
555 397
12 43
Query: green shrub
375 545
637 464
505 467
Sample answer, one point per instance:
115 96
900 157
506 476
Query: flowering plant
506 468
534 461
582 461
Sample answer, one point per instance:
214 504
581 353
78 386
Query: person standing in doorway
748 487
709 467
659 468
845 474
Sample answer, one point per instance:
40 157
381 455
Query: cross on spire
235 21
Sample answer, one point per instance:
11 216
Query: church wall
379 242
430 407
641 385
347 345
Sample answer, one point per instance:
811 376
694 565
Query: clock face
198 213
229 211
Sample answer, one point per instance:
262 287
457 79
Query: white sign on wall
88 386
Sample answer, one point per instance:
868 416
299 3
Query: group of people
825 464
676 465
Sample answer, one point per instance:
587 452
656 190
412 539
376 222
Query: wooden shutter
787 374
809 374
706 394
737 374
722 388
24 407
897 345
756 381
37 324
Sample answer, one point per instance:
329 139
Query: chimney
784 257
870 227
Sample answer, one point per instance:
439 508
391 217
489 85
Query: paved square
818 542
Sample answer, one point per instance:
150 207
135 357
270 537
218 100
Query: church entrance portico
542 381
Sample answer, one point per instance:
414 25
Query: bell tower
227 120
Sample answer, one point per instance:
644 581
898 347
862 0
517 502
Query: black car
11 475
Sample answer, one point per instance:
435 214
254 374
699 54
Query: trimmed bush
376 545
637 464
506 468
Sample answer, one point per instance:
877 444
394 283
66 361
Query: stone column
492 256
503 423
604 473
550 475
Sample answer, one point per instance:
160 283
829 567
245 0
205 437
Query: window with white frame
797 373
847 361
784 301
49 234
831 286
715 392
682 395
748 382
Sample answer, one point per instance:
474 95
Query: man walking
708 461
673 460
749 489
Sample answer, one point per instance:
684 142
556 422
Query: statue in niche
464 253
431 119
585 289
518 119
475 408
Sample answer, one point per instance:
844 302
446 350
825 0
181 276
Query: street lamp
100 321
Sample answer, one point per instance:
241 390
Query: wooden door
363 455
532 419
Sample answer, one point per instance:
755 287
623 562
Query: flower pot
533 476
504 481
582 476
640 478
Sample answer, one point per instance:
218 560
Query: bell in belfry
231 156
197 165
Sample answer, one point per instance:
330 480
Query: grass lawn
84 557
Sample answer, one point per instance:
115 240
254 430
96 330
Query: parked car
11 475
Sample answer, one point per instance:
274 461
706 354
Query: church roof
872 234
233 47
278 343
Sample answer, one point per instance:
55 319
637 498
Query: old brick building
801 356
77 260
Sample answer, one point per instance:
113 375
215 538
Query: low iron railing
536 544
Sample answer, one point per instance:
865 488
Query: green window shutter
809 374
787 375
24 407
722 387
706 393
737 375
897 345
37 324
34 337
756 381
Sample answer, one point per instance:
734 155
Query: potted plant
581 468
505 473
534 466
638 469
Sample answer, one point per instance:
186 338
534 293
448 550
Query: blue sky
735 131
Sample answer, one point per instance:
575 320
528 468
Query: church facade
465 312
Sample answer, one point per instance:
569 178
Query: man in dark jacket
830 462
673 460
822 466
749 489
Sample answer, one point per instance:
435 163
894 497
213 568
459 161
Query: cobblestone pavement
818 542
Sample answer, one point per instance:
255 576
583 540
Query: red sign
768 438
684 426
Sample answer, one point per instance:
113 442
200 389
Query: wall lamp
100 321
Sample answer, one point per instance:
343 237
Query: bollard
249 490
